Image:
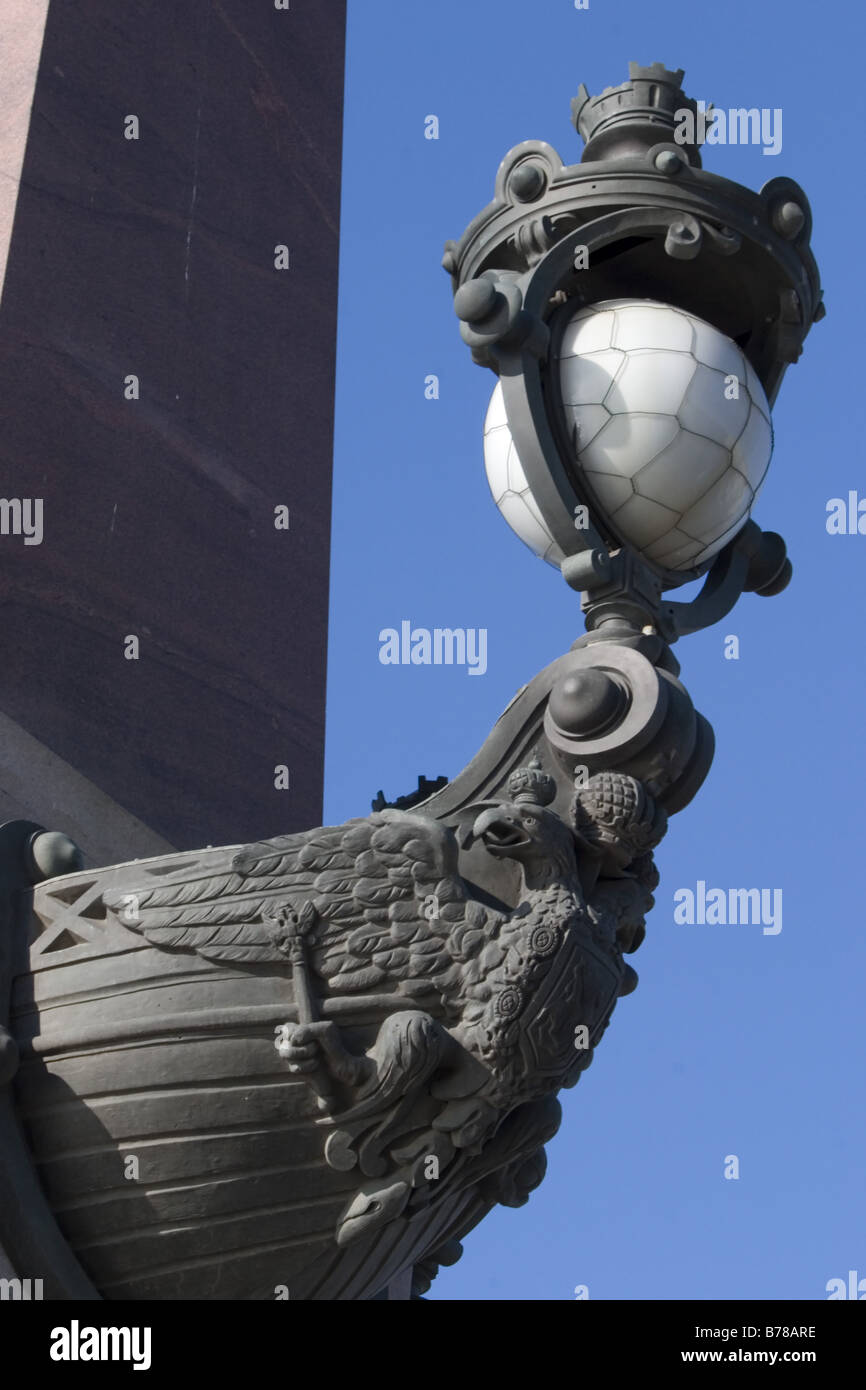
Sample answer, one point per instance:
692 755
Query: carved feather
370 881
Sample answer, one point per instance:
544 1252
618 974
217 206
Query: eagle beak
502 834
466 831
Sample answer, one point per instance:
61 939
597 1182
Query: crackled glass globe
669 426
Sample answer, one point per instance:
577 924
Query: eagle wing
385 891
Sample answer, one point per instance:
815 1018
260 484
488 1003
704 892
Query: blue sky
734 1042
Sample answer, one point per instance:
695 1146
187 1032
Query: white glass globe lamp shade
669 428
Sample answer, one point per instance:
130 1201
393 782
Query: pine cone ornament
616 816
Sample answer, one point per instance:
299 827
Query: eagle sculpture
484 1011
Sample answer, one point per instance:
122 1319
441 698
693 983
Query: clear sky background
734 1042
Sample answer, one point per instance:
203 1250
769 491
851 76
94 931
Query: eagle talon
310 1046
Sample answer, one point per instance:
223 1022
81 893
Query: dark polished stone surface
156 257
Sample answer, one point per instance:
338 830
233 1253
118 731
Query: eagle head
524 829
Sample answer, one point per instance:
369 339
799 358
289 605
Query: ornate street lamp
640 314
335 1052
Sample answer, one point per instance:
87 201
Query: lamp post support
366 1026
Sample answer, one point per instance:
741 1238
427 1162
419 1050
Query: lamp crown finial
624 121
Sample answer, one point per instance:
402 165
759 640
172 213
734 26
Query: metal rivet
669 162
527 182
788 218
52 853
475 300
